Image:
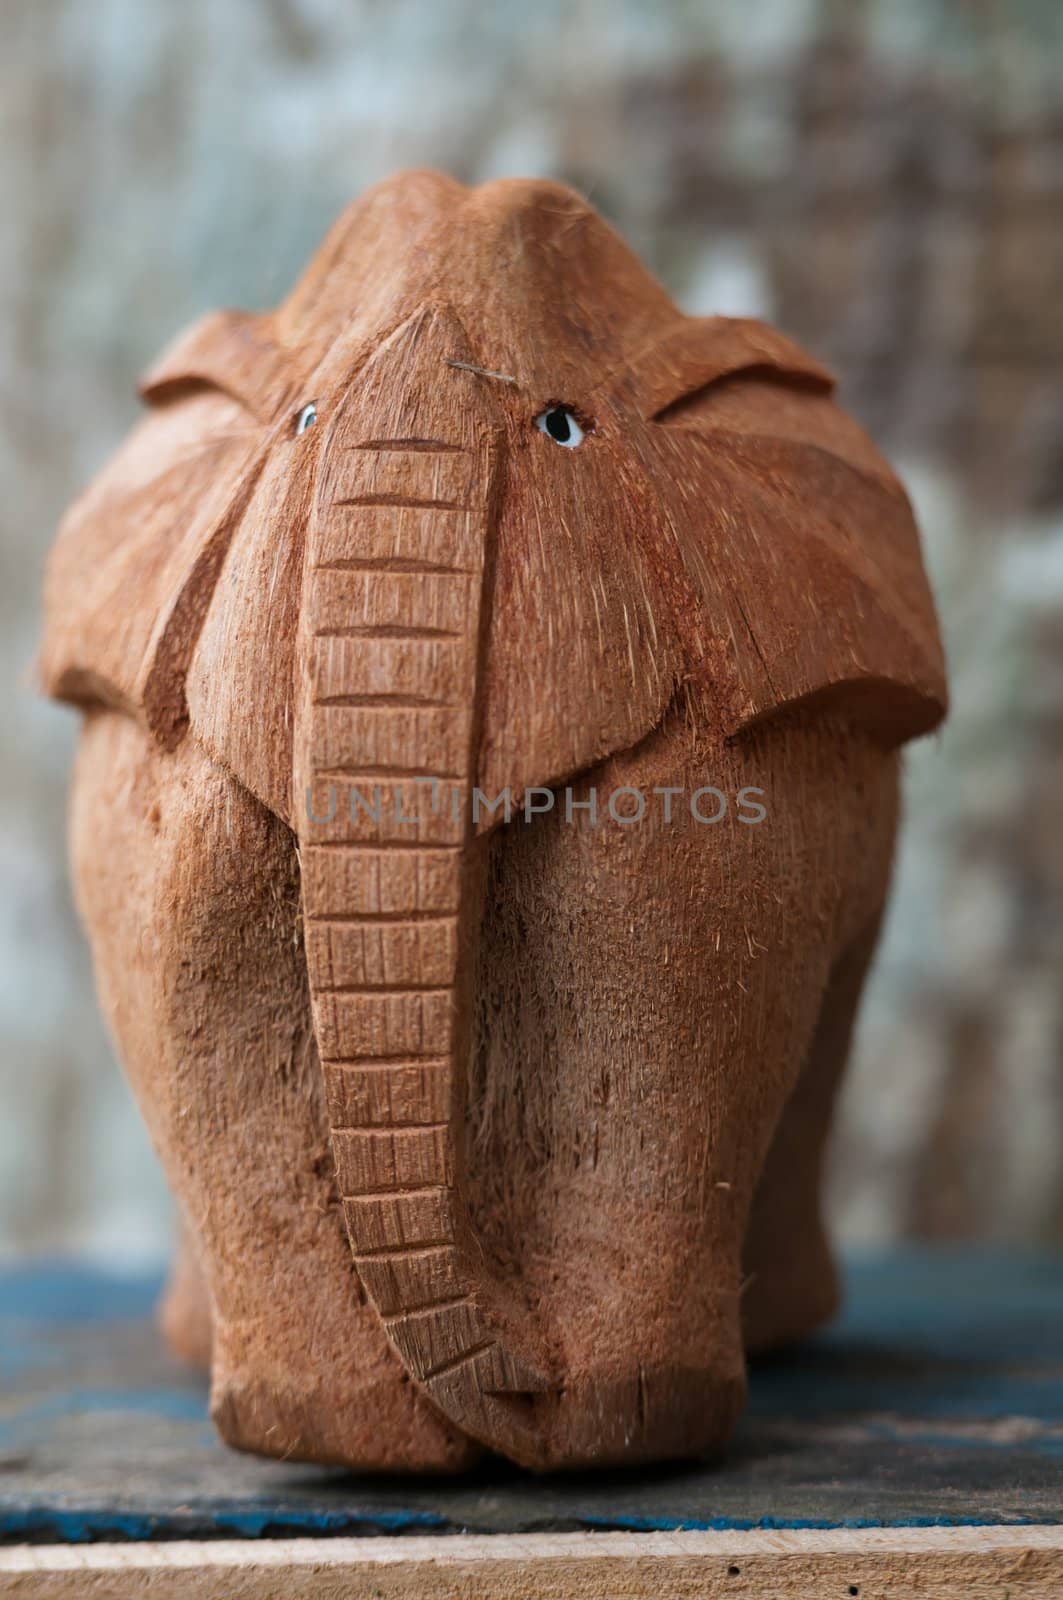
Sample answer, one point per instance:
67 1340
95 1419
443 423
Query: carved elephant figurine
420 629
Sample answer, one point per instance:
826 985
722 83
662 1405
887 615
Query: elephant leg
647 994
189 890
186 1320
791 1284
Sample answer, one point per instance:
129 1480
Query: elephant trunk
386 738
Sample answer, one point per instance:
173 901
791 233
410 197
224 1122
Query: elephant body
486 1131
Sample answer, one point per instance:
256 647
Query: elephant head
473 514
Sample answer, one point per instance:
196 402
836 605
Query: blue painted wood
937 1398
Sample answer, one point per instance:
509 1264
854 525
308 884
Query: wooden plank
934 1563
931 1402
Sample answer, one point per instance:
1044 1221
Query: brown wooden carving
478 513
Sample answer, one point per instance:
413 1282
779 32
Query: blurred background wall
883 179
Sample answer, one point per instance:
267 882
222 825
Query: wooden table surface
935 1403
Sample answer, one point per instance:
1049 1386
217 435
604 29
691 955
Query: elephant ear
138 554
798 542
233 352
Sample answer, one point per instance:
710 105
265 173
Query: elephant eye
561 423
306 418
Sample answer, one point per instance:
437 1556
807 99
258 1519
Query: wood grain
939 1563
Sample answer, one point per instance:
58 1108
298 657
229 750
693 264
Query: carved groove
388 847
401 1252
389 564
410 702
411 1056
385 1063
385 772
447 1304
429 446
410 502
388 1127
367 630
459 1360
383 990
407 1191
392 919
